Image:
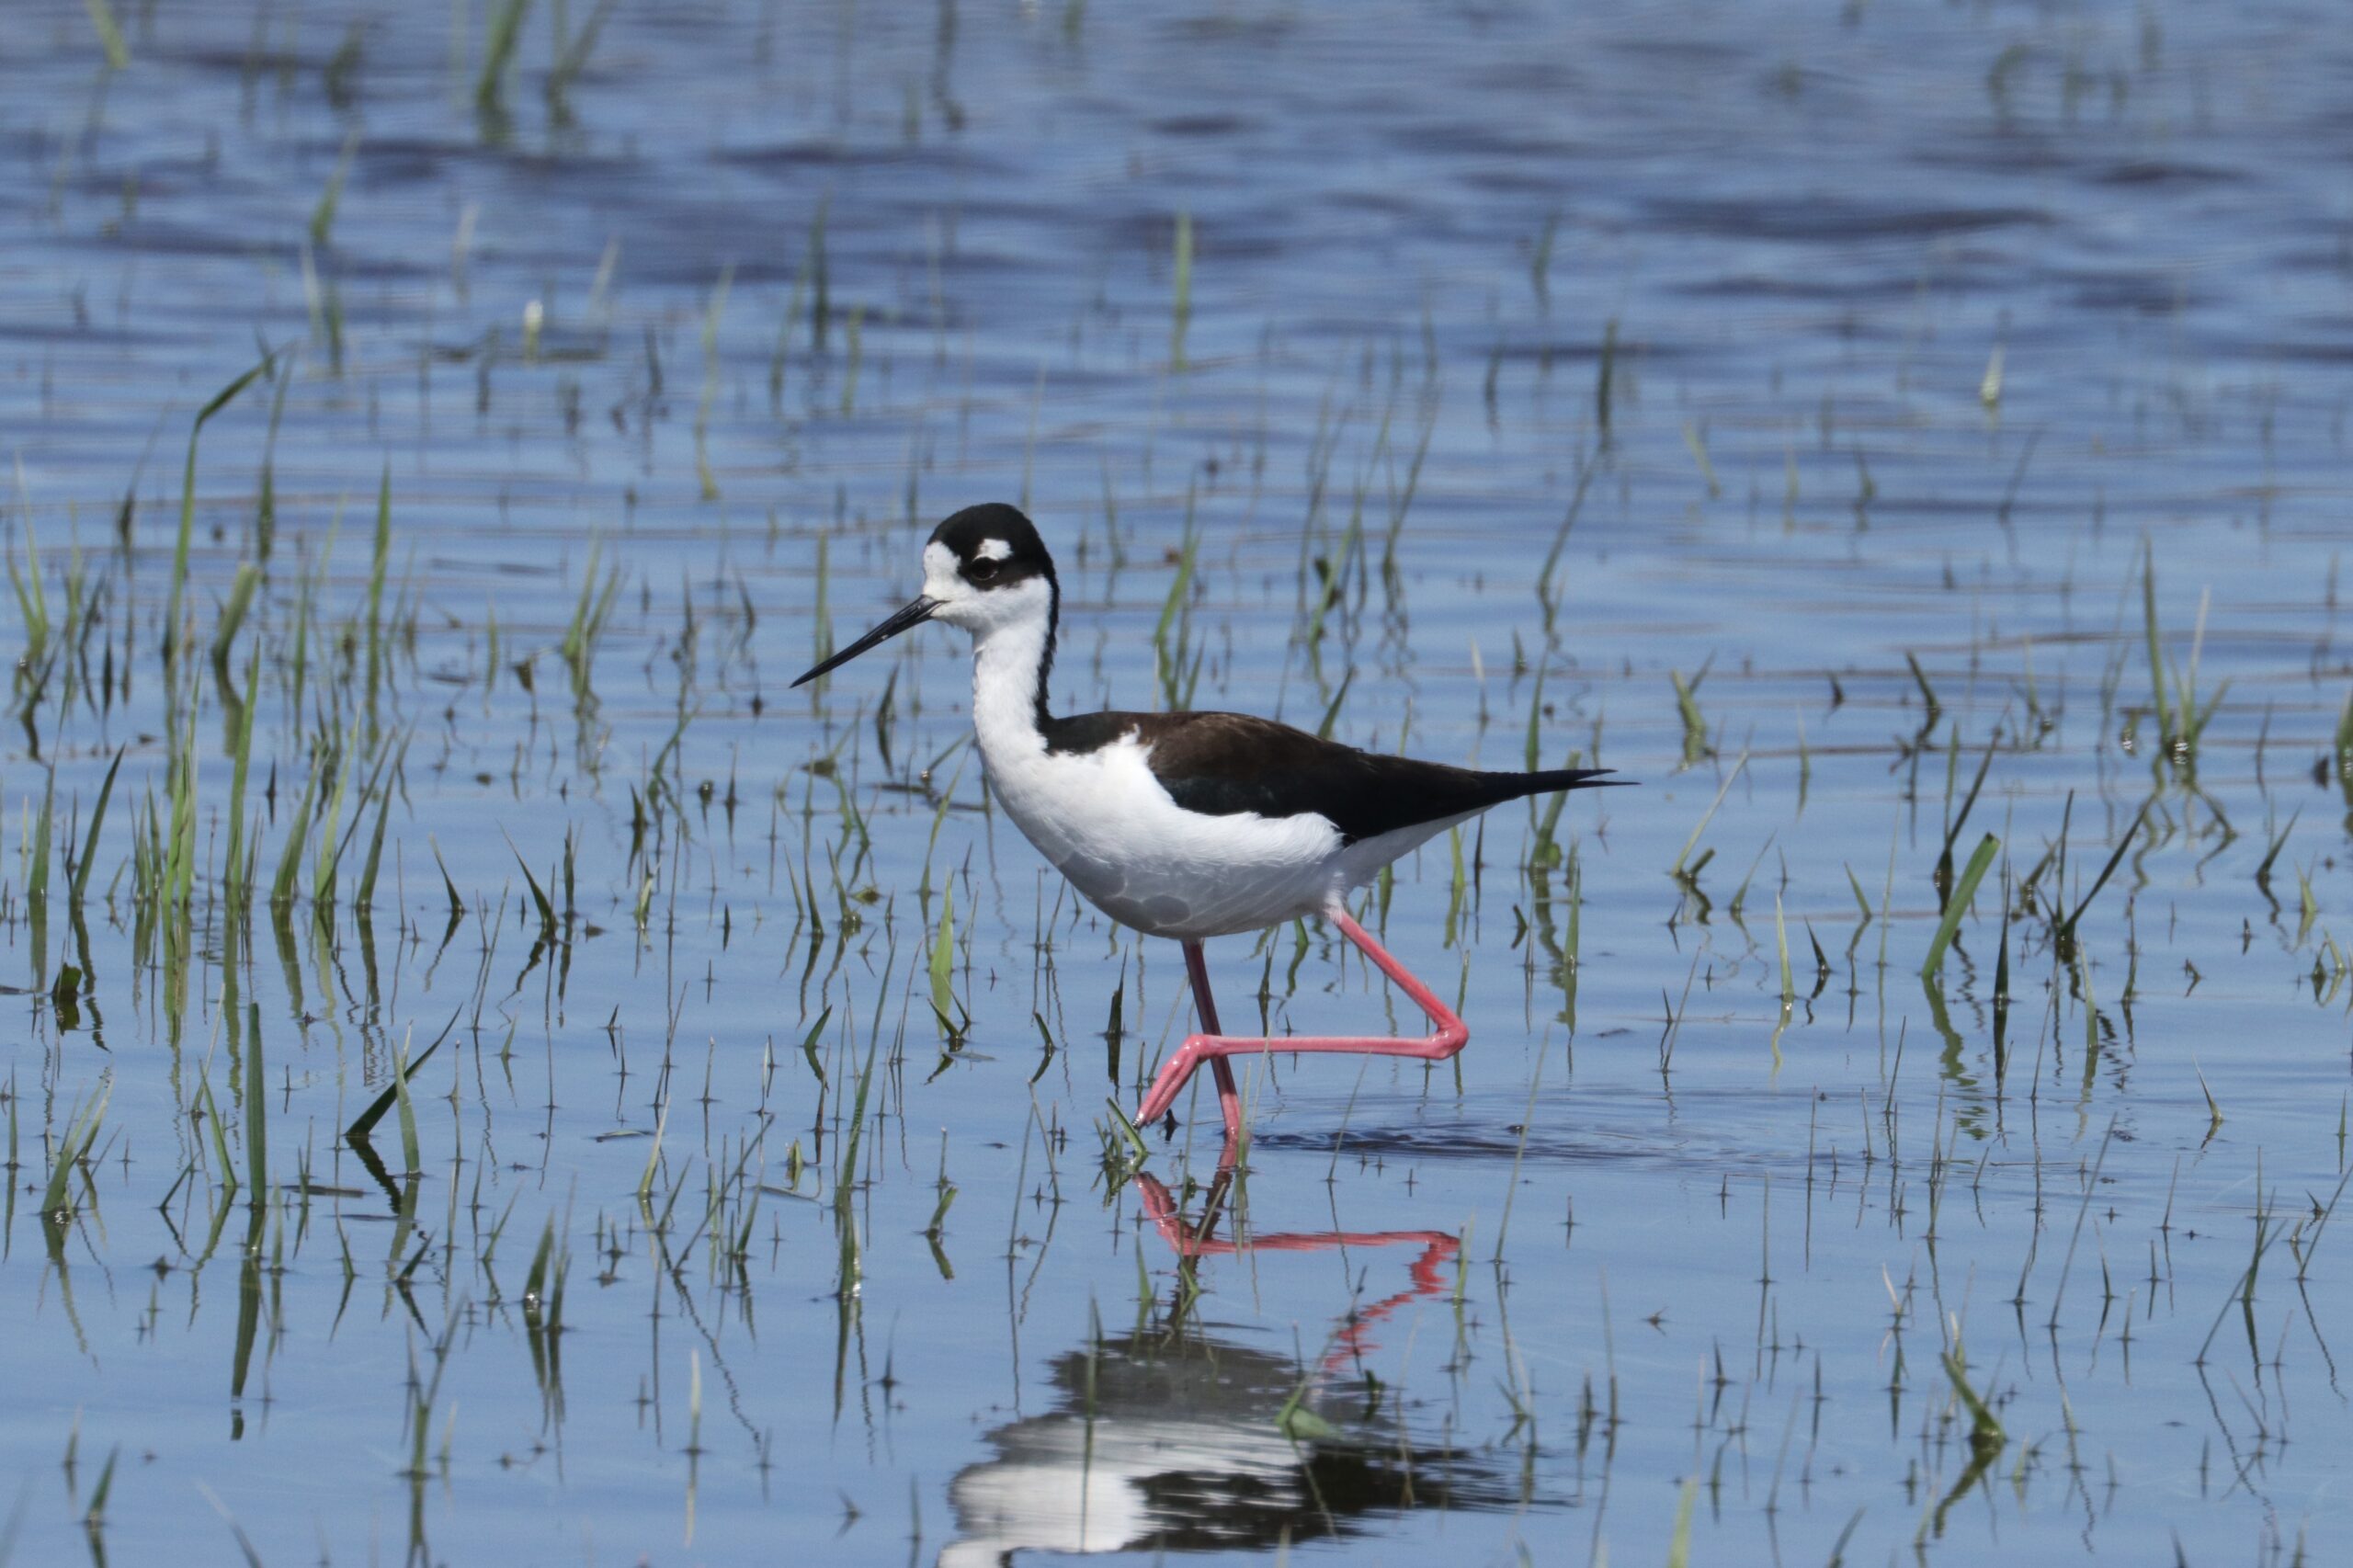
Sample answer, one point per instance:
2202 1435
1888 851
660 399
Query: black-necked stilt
1188 826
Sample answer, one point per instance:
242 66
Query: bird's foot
1178 1070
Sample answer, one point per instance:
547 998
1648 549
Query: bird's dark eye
981 571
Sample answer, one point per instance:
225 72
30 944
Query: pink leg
1229 1097
1449 1037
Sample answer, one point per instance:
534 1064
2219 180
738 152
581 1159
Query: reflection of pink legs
1212 1047
1193 1239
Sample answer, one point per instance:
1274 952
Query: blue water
1585 352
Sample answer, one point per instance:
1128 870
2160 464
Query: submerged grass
72 1148
762 885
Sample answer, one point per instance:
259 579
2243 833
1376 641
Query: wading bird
1186 825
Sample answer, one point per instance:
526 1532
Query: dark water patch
1819 218
1515 150
1222 30
2138 293
1207 126
834 154
1549 1142
2159 172
1767 286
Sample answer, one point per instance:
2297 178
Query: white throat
1006 660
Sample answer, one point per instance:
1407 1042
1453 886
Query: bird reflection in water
1172 1438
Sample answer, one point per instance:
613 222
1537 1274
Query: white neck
1008 661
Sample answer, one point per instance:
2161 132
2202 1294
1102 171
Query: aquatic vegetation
479 1035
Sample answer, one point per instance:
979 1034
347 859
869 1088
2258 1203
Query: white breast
1107 824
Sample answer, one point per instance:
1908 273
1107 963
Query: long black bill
914 613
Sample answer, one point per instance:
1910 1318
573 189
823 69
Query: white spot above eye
993 549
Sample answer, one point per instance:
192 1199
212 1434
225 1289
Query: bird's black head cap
994 546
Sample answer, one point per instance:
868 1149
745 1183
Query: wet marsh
497 1072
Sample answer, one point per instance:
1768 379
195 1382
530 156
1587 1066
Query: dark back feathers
1227 763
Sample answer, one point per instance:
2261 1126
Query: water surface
1924 392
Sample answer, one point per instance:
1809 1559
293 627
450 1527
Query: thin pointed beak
916 612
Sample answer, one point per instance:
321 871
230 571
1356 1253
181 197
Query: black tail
1518 786
1427 791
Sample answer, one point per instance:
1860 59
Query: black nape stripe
1046 665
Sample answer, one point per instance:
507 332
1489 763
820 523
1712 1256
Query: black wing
1226 764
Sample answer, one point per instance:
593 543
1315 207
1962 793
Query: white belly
1107 824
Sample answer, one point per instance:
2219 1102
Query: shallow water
1890 378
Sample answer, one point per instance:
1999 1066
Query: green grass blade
943 961
221 400
1963 892
97 822
118 52
2110 869
365 1122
